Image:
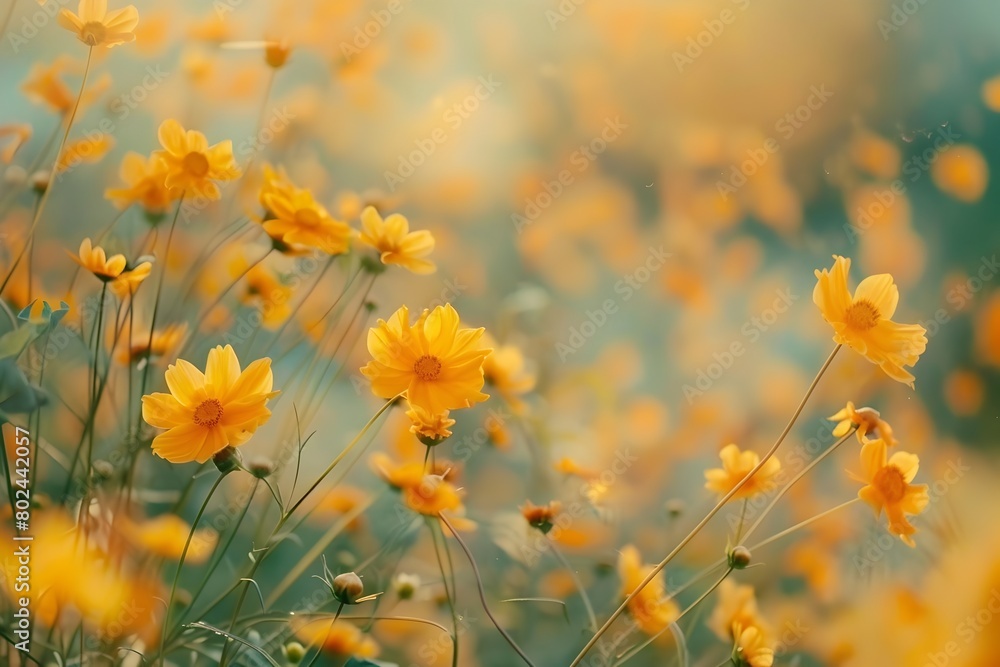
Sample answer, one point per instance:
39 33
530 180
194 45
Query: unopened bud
227 460
406 585
276 54
40 181
347 587
260 468
739 558
294 652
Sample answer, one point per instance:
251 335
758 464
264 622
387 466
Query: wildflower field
558 333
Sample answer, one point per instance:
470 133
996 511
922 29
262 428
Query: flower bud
294 652
40 181
276 54
347 587
260 468
739 558
406 585
227 460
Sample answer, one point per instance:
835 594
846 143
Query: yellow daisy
395 242
94 25
888 487
434 363
867 421
94 259
207 412
863 321
735 466
144 184
652 610
297 219
192 165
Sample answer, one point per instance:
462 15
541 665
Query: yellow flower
192 165
273 296
166 535
142 348
505 368
867 420
735 466
84 150
651 609
207 412
409 473
299 219
433 495
145 184
128 281
889 489
338 637
736 607
96 26
863 321
395 242
94 260
752 649
436 364
45 86
429 426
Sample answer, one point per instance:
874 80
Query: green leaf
17 395
12 343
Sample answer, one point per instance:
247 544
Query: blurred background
628 191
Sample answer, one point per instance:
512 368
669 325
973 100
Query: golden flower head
736 607
868 421
192 165
430 428
207 412
144 184
863 321
94 25
735 466
128 281
506 369
888 487
87 150
144 347
395 242
94 259
433 495
166 536
651 608
434 362
296 218
752 648
338 637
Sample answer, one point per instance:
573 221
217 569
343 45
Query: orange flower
84 150
866 420
94 260
192 165
437 365
44 85
651 609
96 26
432 496
735 466
862 321
142 348
505 368
145 184
207 412
338 637
166 536
736 608
429 426
395 242
889 489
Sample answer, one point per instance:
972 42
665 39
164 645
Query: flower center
427 367
862 315
306 217
93 33
208 413
196 164
890 483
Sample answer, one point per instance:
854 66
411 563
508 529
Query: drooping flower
207 412
651 609
192 165
863 321
395 242
145 184
94 25
888 487
94 259
867 420
128 281
298 219
434 363
735 466
429 427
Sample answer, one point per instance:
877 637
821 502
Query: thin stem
802 524
180 563
591 616
785 489
449 591
482 593
708 517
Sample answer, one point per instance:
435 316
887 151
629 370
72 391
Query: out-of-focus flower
867 421
541 517
862 321
962 172
297 219
752 649
432 496
265 287
145 184
145 347
338 637
736 606
888 487
438 365
97 262
207 412
735 466
96 26
20 133
276 53
166 536
652 610
340 500
192 165
876 155
428 426
505 369
408 473
84 150
128 281
44 85
395 242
